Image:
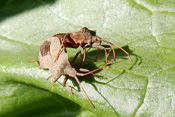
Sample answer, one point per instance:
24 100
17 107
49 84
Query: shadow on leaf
9 8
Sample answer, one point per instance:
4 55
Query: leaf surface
144 87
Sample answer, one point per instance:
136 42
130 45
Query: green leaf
144 87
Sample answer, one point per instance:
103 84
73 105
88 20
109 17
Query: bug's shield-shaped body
48 51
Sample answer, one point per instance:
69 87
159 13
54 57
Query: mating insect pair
53 54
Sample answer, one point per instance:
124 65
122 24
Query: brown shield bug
61 66
85 37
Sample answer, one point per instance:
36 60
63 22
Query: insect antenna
84 91
123 51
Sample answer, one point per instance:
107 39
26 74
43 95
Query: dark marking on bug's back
45 48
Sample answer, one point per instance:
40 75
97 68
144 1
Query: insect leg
111 48
100 47
58 54
63 45
83 70
49 77
84 91
86 70
84 57
97 52
110 44
35 62
52 80
65 49
64 84
56 79
90 72
79 52
97 55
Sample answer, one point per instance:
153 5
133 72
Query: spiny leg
64 84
